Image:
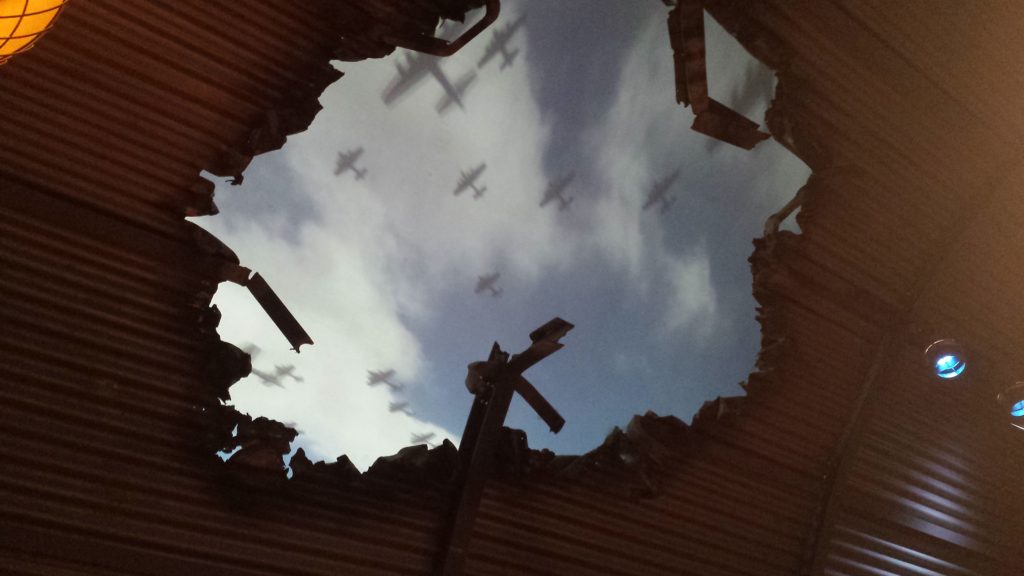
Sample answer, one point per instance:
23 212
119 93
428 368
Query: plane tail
478 193
566 203
496 292
360 174
508 58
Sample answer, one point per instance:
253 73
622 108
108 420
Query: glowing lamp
1012 401
946 358
22 22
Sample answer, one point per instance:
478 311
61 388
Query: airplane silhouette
499 45
418 66
487 283
659 193
555 190
280 372
421 438
468 181
347 161
399 407
267 379
375 377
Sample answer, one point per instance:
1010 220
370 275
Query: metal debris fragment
493 383
418 464
342 470
278 312
714 119
438 46
223 265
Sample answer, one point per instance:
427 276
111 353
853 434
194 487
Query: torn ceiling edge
711 118
627 462
897 313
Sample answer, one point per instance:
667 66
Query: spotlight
1012 402
946 358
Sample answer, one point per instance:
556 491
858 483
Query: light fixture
946 358
22 22
1012 402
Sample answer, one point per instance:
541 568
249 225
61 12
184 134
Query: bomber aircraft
487 282
499 45
421 438
375 377
416 69
468 182
659 193
555 190
347 161
399 407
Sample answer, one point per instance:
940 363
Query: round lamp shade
23 21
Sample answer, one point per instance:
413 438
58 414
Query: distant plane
347 161
280 372
375 377
499 45
487 283
399 407
659 193
555 190
421 438
267 379
418 66
289 371
460 88
468 181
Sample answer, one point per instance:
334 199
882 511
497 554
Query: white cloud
692 297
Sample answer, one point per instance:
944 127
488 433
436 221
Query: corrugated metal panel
127 102
101 359
914 205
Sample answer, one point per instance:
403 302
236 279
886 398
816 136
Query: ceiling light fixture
22 22
946 358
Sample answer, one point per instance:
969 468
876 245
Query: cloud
692 296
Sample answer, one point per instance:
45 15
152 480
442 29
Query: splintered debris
223 265
493 382
714 119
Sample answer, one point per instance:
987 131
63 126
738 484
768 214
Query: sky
381 271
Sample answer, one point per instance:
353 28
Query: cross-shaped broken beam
493 383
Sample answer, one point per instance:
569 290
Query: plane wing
453 93
406 78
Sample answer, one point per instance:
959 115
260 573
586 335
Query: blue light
1017 411
949 366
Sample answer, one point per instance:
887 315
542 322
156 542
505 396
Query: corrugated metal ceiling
909 228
